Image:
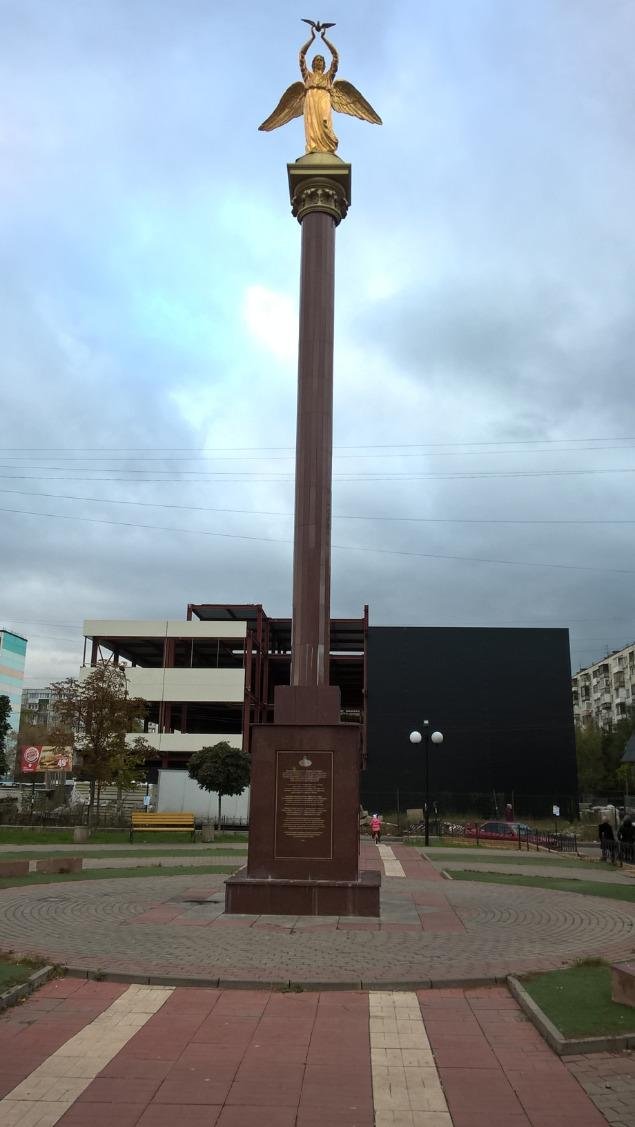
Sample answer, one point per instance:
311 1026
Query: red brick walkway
245 1058
495 1068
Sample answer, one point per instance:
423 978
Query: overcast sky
149 268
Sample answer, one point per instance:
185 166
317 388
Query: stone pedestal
270 897
304 825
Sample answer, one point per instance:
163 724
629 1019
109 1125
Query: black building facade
501 698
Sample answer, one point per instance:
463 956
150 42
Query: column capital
320 182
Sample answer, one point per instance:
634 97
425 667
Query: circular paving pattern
429 931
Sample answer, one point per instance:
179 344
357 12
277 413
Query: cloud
149 278
272 320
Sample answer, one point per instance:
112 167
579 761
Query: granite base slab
275 897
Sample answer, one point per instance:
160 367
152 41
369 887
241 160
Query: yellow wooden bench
166 822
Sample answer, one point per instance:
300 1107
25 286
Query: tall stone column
314 442
319 186
304 809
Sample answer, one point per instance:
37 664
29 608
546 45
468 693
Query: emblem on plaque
305 761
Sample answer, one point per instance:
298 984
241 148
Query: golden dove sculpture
316 96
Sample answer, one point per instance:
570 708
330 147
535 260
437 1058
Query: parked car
498 831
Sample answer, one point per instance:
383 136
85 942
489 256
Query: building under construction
501 697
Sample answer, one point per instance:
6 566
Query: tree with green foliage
221 769
5 728
588 743
599 754
614 741
95 714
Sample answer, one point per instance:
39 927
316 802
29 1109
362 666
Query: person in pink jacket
375 828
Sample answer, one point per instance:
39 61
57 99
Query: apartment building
37 707
605 691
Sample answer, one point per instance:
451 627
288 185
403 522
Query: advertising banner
40 757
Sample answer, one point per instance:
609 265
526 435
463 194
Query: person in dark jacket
626 838
607 840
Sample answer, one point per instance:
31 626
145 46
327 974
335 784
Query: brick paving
430 930
495 1068
448 1057
609 1078
442 1058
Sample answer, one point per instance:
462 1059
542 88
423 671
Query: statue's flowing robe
318 121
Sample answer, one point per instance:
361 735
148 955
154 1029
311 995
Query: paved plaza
379 1048
431 930
90 1054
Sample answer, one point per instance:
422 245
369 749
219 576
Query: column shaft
314 454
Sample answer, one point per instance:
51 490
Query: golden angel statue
317 95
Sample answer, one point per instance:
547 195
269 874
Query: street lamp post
436 738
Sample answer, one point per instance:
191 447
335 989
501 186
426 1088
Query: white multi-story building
604 692
211 676
190 674
207 679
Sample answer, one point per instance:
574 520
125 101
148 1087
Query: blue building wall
12 661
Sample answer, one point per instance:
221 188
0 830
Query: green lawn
511 858
118 874
578 1001
555 884
10 835
161 851
15 971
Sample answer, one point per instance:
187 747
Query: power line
356 446
396 452
56 637
336 516
338 547
38 622
225 476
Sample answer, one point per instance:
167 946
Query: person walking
607 840
375 828
626 838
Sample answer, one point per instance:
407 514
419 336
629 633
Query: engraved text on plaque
304 805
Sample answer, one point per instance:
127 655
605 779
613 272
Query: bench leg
131 833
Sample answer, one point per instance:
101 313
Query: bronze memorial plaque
304 805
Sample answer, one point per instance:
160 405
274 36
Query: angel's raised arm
335 59
303 50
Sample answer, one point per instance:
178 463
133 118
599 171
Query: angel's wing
290 105
345 98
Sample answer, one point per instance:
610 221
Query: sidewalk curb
23 989
285 984
566 1046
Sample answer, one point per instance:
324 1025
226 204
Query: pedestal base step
274 897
